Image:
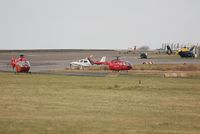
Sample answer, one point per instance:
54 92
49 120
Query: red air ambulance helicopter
116 64
20 65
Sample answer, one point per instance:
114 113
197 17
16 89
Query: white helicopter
85 62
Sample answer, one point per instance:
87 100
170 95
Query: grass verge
95 105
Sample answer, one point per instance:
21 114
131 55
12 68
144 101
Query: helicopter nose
129 66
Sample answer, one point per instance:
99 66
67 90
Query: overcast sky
97 24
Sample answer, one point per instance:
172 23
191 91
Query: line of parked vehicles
21 64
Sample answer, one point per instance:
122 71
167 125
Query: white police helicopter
85 62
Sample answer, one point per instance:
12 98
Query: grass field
39 104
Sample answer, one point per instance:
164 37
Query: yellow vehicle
186 52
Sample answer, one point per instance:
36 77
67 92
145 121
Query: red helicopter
115 65
20 65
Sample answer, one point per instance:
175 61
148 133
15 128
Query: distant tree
144 48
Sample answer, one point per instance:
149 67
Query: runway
45 61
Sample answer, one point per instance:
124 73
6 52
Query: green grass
38 104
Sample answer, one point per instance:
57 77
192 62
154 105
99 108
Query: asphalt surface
47 61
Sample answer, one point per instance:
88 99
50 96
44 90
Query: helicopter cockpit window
127 64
